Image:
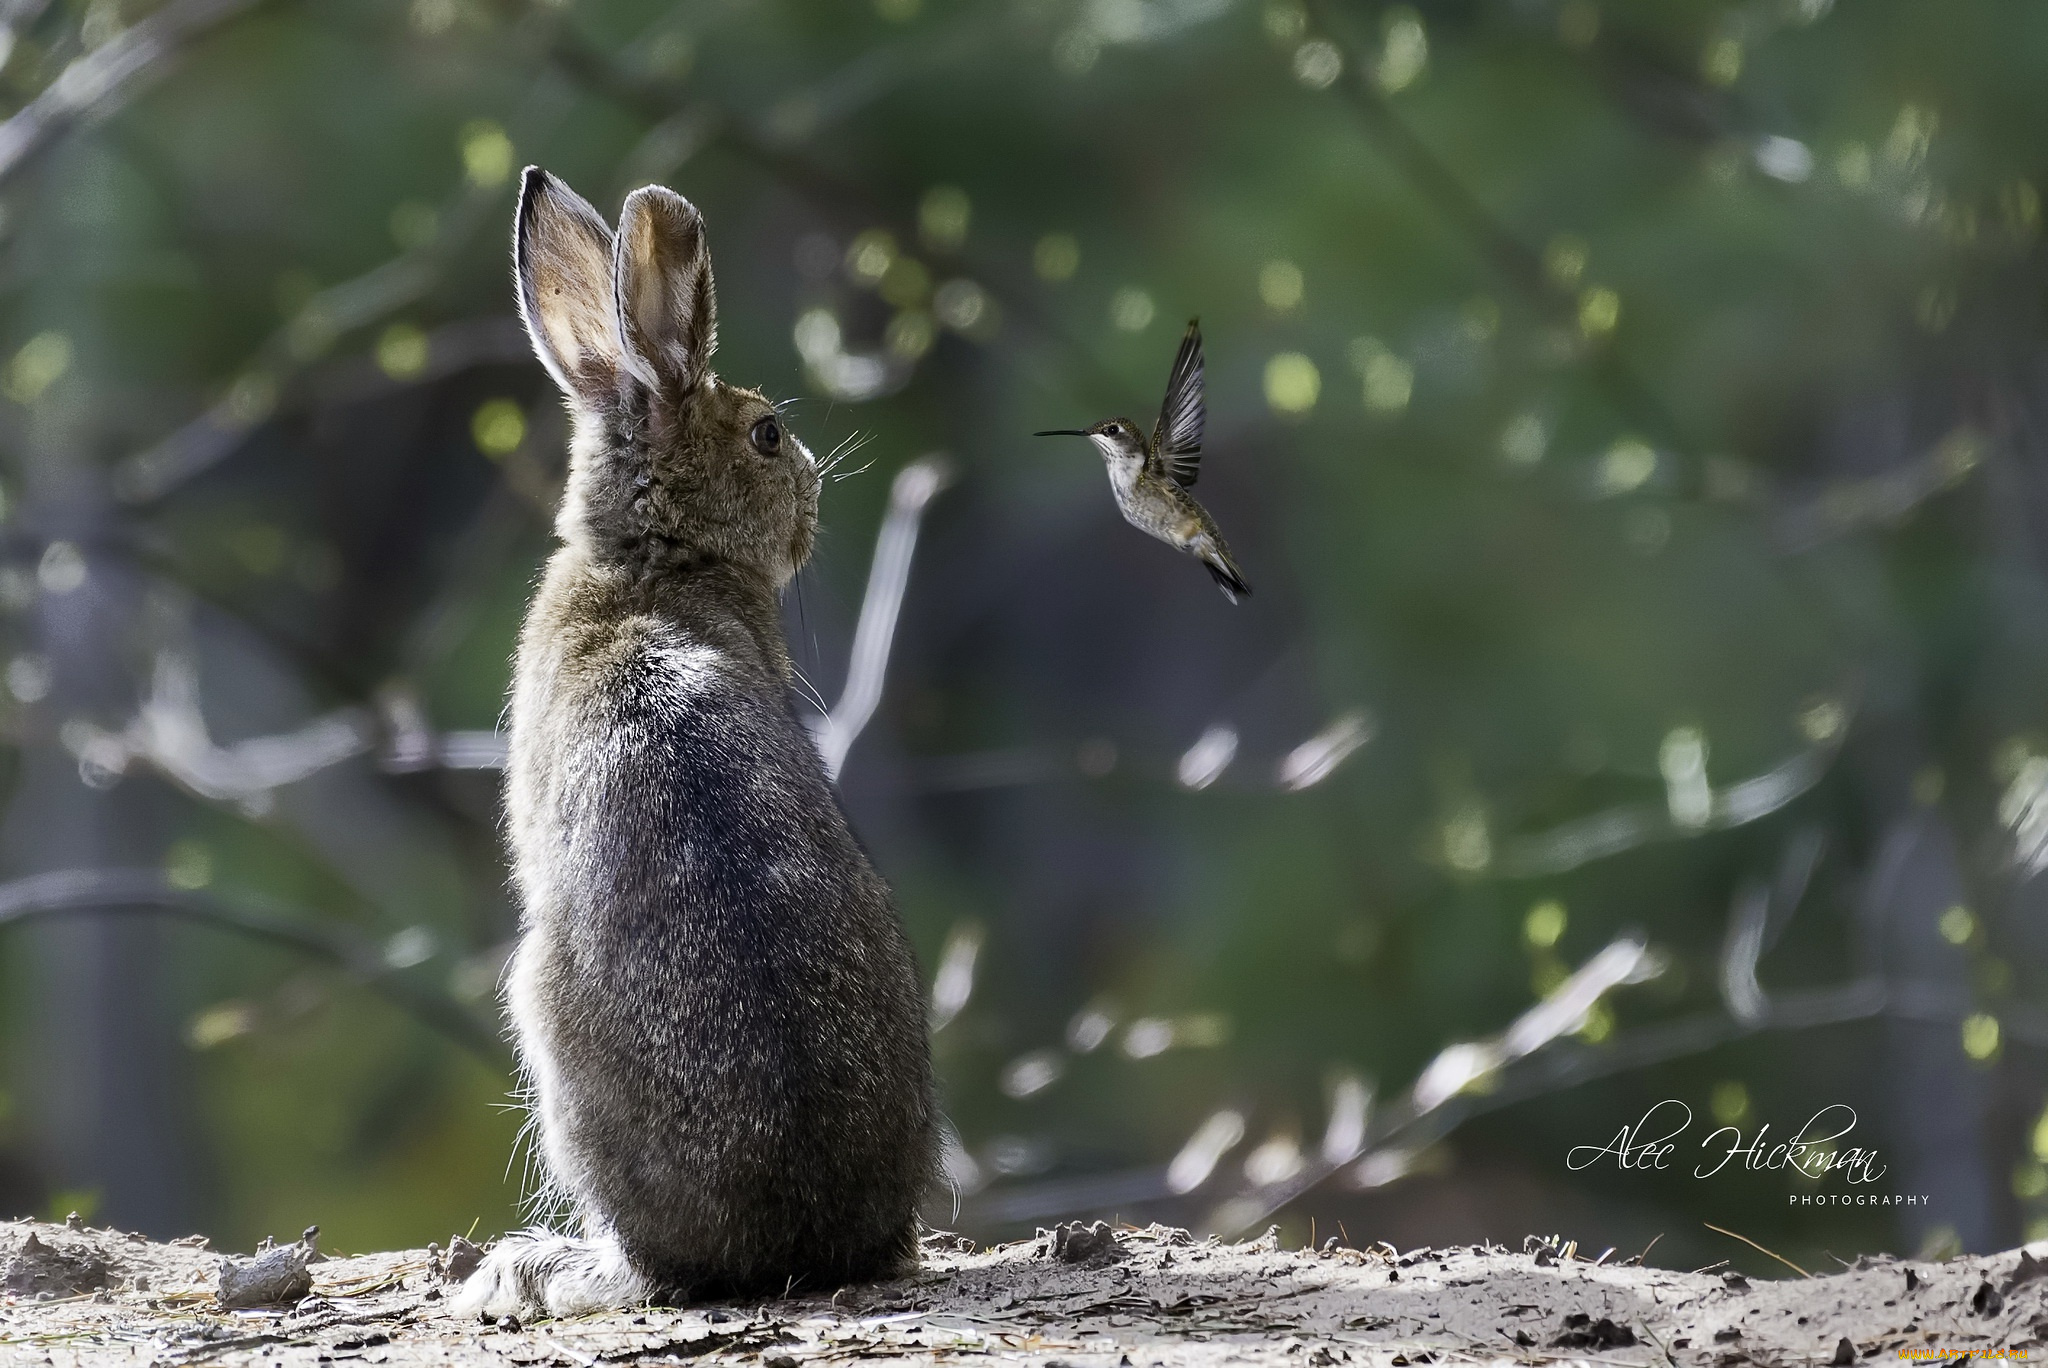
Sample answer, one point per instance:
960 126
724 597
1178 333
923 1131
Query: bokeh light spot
1729 1102
62 568
869 256
188 864
1564 259
1075 52
1544 925
1822 719
29 677
487 154
1785 159
1389 382
402 351
1682 759
906 283
1056 257
910 334
1981 1036
1293 384
1524 440
1280 285
1721 63
1599 311
1404 54
498 427
1957 924
1911 135
943 216
1317 63
1031 1073
217 1025
964 307
1284 20
433 18
1468 841
41 363
1132 309
1626 466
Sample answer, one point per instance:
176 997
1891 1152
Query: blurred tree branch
119 892
96 83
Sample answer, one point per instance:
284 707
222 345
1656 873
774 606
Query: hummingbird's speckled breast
1161 509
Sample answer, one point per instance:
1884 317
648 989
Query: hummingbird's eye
767 437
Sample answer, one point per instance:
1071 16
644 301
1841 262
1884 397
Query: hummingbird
1151 479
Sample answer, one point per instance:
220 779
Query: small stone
1581 1331
39 1269
1845 1354
1076 1242
463 1257
276 1276
2028 1269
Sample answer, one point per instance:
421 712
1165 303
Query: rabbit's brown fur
716 1008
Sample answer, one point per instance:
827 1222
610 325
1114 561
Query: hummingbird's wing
1177 438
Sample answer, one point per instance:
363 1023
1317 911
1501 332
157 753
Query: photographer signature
1651 1142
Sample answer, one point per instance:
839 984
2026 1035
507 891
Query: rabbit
716 1008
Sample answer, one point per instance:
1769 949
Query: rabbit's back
723 1015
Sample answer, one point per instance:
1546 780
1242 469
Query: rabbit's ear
562 257
668 307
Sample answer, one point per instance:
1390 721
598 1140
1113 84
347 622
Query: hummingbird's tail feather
1226 574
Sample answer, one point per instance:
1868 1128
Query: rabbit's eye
767 437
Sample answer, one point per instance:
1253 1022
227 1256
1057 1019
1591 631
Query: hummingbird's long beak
1062 432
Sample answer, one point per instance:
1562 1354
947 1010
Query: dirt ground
1104 1298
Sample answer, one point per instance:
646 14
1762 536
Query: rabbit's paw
534 1273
